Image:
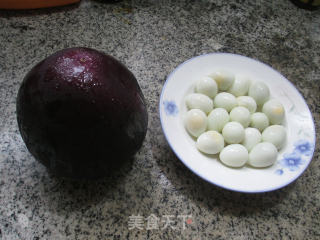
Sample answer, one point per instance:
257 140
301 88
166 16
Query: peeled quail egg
233 132
247 102
225 100
252 137
210 142
234 155
274 111
199 101
275 134
217 118
223 78
240 115
259 91
263 155
207 86
196 122
259 120
240 86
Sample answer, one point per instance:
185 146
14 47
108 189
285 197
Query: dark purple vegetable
81 113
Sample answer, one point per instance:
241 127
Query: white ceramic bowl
292 160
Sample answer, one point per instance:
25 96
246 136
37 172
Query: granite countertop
152 38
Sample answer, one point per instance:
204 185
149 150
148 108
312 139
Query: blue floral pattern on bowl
279 172
292 161
170 108
303 147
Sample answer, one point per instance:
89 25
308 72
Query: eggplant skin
81 113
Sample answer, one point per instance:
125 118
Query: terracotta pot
31 4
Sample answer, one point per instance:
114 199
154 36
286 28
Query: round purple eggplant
81 113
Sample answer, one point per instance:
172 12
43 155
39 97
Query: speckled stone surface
152 38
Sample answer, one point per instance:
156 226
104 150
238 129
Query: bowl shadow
213 197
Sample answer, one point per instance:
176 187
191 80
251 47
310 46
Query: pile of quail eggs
222 115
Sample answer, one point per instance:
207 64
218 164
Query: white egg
225 100
233 132
260 92
210 142
263 155
252 137
196 122
217 118
275 134
199 101
259 120
240 85
207 86
223 78
274 111
234 155
247 102
240 115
